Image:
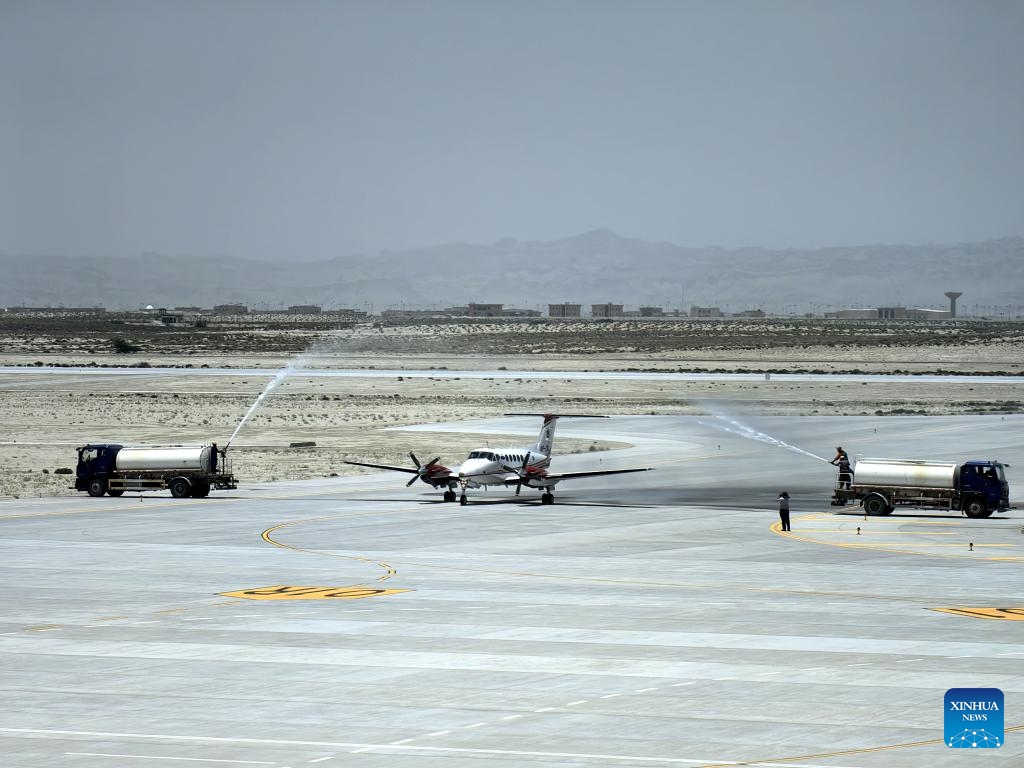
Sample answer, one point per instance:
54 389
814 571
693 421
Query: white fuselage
489 466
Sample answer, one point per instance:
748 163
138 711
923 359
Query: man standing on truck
842 461
213 458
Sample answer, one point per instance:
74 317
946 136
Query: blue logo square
974 718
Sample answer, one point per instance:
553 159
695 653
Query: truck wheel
115 491
876 505
200 490
97 486
180 487
976 508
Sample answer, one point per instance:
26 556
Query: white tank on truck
976 487
910 474
183 470
172 457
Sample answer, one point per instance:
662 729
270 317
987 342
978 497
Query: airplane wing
549 480
410 470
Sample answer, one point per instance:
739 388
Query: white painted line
475 725
563 756
861 664
907 661
140 623
158 757
1015 653
611 695
762 674
364 749
403 741
677 685
646 690
960 657
438 733
545 709
724 678
198 618
811 669
321 759
510 717
575 703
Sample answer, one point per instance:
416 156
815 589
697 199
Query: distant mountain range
595 267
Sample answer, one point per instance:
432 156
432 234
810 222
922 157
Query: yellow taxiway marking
1002 614
838 753
877 533
268 536
311 593
886 547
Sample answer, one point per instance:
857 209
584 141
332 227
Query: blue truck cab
983 482
95 466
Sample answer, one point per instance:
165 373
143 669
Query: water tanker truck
184 470
977 488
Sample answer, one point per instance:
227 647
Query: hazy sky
302 130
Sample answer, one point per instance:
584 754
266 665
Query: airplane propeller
521 472
422 470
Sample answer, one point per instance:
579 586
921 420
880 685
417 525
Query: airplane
506 467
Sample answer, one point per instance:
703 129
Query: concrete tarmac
651 619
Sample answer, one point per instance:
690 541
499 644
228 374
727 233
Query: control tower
953 296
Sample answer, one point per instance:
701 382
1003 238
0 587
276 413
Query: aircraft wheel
547 498
463 500
449 495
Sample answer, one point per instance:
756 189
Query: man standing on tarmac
784 510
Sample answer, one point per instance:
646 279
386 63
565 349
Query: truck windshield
88 454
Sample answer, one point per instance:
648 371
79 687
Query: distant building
606 310
929 314
304 309
652 312
563 310
230 309
191 310
484 310
514 312
890 313
750 313
696 311
853 314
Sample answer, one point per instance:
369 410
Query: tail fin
547 435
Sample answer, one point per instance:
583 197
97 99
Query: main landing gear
449 495
547 498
